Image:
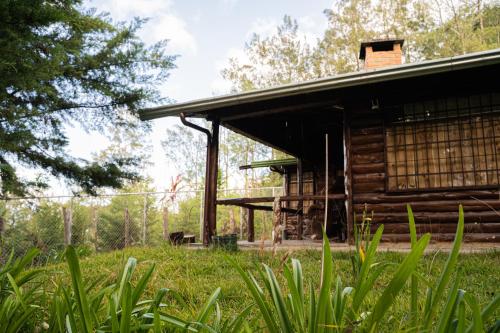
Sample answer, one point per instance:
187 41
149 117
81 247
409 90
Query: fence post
251 227
243 221
94 226
144 220
2 222
201 216
127 228
67 219
277 232
165 223
232 222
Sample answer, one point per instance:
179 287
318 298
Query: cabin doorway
310 217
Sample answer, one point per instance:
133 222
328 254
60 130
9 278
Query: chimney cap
390 41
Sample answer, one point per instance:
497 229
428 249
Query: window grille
444 143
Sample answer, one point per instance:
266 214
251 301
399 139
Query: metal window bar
468 166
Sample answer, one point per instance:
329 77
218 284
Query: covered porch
313 184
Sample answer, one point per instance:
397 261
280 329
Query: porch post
250 226
211 165
300 203
348 178
211 182
206 202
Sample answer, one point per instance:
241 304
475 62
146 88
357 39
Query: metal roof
197 107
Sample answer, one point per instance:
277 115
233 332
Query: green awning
269 163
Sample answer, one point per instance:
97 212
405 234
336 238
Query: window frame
389 122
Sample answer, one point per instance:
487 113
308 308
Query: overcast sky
205 34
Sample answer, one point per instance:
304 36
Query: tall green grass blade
312 310
324 306
20 321
477 320
17 291
447 271
21 263
397 283
172 320
207 309
295 285
126 309
364 283
156 322
450 306
70 316
461 316
141 285
257 295
414 279
279 302
126 277
79 290
490 309
236 325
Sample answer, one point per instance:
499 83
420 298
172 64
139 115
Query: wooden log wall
435 211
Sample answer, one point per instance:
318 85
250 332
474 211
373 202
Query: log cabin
425 134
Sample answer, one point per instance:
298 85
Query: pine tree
61 65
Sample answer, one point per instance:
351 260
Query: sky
204 34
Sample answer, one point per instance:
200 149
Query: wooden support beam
259 207
251 226
306 197
206 203
300 192
348 178
209 205
283 109
212 181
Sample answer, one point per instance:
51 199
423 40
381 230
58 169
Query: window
444 143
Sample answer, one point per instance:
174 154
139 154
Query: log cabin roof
223 106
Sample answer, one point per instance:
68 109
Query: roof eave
194 108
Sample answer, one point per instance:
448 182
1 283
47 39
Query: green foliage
431 29
62 64
125 302
346 309
17 292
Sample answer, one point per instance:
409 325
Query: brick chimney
380 53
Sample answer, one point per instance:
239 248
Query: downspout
206 226
196 127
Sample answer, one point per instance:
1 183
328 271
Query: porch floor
296 245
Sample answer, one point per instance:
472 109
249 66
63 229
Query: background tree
111 218
185 148
284 57
62 64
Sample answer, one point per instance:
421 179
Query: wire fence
114 221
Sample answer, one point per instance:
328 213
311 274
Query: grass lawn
195 274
